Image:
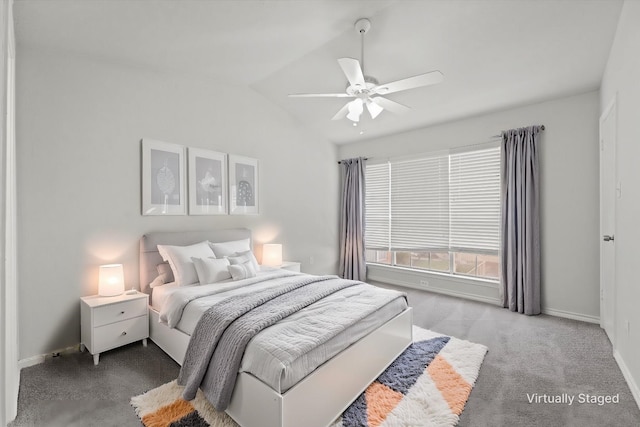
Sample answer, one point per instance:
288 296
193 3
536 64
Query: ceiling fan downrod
362 26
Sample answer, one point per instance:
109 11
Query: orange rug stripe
453 387
380 401
168 414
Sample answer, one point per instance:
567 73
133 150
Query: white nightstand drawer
120 333
116 312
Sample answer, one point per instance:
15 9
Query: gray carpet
540 354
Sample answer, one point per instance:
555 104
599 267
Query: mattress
266 356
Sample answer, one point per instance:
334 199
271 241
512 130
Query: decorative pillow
211 270
164 269
230 248
242 257
242 271
179 258
158 281
165 275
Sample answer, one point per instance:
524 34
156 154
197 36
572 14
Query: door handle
608 238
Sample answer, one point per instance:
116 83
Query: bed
312 398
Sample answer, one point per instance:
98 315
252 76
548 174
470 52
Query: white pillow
242 271
242 257
179 258
211 270
230 248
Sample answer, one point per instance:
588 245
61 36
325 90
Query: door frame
613 104
9 370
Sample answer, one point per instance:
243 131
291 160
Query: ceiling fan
366 90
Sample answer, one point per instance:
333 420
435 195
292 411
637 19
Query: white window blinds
377 221
475 200
438 202
420 204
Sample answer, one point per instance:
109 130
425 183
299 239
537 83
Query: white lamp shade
355 109
111 280
272 254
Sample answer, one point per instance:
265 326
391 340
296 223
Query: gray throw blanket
218 342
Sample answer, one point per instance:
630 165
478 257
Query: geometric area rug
427 385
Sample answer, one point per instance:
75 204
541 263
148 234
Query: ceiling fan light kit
366 89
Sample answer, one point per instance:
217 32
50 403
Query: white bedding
160 295
266 355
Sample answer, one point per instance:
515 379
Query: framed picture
207 182
243 185
163 178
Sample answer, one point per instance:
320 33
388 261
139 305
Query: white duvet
286 352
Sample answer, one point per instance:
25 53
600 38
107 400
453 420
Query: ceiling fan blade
420 80
390 105
353 71
320 95
342 112
374 109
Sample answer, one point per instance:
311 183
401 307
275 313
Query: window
437 212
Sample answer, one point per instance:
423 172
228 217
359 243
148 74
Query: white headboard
150 257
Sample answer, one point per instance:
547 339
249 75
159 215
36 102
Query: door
609 193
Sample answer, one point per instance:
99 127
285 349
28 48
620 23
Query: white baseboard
36 360
372 275
10 390
31 361
633 386
570 315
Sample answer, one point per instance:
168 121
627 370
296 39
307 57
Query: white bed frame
315 401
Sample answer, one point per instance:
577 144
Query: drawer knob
124 333
122 312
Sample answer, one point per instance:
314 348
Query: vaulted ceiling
494 54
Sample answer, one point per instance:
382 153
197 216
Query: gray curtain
520 220
352 257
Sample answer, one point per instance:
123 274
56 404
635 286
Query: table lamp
111 280
272 254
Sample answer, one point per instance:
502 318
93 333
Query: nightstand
111 322
290 265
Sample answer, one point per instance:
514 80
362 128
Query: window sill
458 286
480 281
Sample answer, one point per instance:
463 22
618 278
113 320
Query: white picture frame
244 194
163 178
207 182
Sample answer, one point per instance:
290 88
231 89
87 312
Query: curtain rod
494 136
500 136
340 161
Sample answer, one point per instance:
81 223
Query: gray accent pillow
165 275
165 269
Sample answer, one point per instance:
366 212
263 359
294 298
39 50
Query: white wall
621 78
569 196
79 128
